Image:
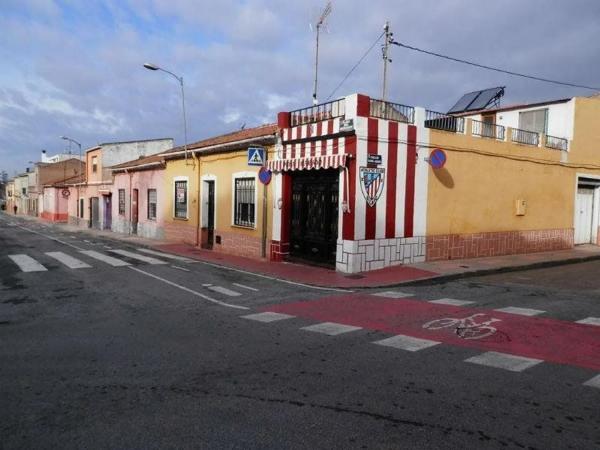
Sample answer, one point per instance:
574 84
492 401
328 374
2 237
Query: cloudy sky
74 67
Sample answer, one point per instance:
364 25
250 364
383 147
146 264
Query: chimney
26 169
43 159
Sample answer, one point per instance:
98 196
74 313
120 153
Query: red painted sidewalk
533 337
299 273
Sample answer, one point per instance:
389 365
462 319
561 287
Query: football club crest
371 183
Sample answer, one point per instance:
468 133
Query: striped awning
308 163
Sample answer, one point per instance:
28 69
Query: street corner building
350 187
363 184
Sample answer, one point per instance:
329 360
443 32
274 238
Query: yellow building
213 196
517 180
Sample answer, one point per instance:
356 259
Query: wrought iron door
314 227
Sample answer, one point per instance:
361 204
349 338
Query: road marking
224 291
85 240
594 382
243 286
590 321
50 237
267 317
164 255
206 285
409 343
183 288
521 311
504 361
105 258
393 294
67 260
181 268
331 328
267 277
27 263
451 302
146 259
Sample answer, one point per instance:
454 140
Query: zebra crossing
80 259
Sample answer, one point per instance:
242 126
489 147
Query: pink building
137 186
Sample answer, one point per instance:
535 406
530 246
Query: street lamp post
180 79
66 138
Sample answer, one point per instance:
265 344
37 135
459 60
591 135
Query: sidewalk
436 271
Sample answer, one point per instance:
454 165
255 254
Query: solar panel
464 102
477 100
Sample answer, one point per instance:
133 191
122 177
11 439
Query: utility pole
320 22
386 58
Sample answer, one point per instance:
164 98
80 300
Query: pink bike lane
547 339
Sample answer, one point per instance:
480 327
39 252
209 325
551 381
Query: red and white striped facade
390 232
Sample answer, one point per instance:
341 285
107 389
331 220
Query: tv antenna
319 24
389 38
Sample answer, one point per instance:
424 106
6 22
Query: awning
308 163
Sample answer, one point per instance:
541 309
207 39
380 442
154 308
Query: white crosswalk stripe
331 328
451 302
590 321
164 255
393 294
267 317
146 259
224 291
520 311
27 263
408 343
67 260
243 286
504 361
594 382
105 258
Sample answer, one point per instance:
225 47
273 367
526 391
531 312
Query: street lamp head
151 66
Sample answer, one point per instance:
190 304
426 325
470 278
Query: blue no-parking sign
437 158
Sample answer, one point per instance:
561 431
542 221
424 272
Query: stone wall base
180 231
54 217
477 245
373 254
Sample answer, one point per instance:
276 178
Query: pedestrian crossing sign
256 156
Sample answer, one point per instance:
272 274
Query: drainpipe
130 224
198 218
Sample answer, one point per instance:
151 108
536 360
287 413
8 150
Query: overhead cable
356 65
482 66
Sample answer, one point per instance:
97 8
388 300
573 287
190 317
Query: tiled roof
221 142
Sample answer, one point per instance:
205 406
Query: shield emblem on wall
371 183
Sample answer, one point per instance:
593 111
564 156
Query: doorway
208 229
108 212
95 212
314 218
584 215
134 211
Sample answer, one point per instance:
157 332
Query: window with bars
122 202
181 199
81 208
151 204
94 164
244 202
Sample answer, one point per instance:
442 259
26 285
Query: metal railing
488 130
391 111
525 137
444 122
557 143
317 113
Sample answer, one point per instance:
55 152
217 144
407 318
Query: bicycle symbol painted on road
467 328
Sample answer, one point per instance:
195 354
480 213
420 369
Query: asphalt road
151 355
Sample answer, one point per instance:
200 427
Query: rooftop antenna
320 22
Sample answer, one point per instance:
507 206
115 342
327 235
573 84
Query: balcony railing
317 113
392 111
444 122
525 137
557 143
488 130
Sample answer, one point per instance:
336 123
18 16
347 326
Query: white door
583 215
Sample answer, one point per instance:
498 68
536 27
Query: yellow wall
585 146
179 168
223 166
477 189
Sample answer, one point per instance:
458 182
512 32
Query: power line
356 65
482 66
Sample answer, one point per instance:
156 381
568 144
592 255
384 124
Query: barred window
122 202
81 208
244 202
181 199
152 204
94 164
